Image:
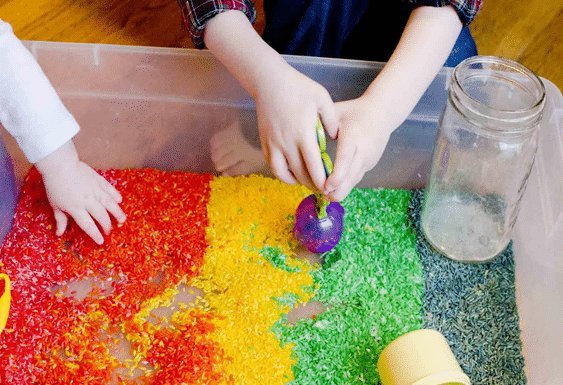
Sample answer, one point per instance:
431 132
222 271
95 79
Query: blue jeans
349 29
464 47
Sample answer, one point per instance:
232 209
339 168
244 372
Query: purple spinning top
318 235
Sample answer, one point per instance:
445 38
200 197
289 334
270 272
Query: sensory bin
205 284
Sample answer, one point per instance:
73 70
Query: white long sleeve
30 108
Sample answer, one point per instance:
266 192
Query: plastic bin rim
336 62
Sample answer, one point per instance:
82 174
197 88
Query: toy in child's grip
5 302
318 221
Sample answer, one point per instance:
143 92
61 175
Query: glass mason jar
484 151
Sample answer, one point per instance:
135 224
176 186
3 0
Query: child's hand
288 107
362 138
74 188
367 122
288 102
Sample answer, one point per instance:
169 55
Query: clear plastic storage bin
156 107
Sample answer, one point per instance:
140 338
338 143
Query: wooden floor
530 32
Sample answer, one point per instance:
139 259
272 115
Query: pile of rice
196 287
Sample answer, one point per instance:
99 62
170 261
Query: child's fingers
316 170
61 221
280 167
329 118
294 157
110 190
112 200
114 209
86 223
100 214
345 155
345 186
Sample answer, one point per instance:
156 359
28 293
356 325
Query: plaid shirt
198 12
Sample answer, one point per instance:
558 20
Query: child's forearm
232 39
427 40
63 157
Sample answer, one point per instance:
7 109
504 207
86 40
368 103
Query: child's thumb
336 186
329 118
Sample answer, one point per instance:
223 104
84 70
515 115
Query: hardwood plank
528 32
545 55
149 23
506 28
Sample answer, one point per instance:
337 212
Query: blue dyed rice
474 307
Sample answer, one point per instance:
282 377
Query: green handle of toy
322 203
321 138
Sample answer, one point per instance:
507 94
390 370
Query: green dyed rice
372 285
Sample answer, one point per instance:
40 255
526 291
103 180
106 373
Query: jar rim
528 115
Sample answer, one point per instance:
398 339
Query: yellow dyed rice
240 284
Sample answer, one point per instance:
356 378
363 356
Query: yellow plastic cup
5 302
421 357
